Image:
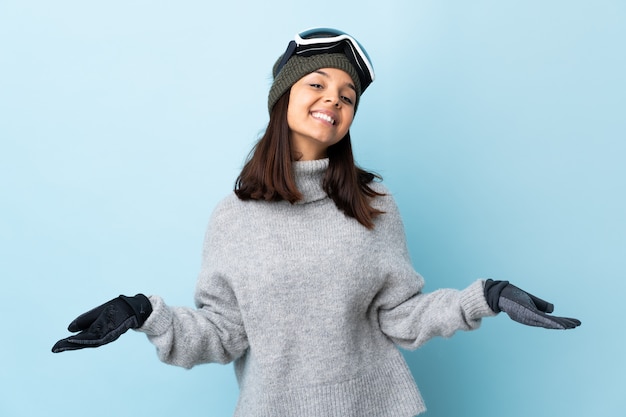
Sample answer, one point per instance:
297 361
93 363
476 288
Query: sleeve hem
474 303
160 320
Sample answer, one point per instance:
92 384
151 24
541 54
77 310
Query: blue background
498 125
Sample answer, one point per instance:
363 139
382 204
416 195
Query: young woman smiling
306 282
320 112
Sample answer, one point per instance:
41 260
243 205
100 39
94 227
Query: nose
333 98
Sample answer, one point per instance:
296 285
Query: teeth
324 117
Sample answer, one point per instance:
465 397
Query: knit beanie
299 66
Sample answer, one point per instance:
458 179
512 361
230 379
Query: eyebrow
328 76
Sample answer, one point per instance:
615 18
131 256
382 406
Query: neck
306 151
300 157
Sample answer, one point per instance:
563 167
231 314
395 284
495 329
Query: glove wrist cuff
493 289
140 305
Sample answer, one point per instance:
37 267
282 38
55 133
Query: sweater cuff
160 320
474 303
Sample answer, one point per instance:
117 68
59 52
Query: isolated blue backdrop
498 125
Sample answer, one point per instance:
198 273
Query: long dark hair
268 175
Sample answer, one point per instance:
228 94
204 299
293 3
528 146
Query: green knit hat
299 66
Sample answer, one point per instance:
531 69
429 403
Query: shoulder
227 222
378 186
226 212
385 201
390 221
227 204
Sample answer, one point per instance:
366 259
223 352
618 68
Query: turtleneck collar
309 176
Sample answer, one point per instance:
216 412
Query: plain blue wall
498 125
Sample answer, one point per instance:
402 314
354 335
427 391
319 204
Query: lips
323 116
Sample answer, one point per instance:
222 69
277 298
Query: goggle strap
356 59
289 52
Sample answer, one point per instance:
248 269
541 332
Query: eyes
346 97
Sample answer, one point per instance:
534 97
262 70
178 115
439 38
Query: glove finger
64 344
542 305
528 315
566 322
523 297
85 320
546 321
97 335
536 320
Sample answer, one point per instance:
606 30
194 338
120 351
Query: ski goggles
327 41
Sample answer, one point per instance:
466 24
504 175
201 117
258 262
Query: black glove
106 323
523 307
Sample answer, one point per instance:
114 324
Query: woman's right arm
214 330
186 337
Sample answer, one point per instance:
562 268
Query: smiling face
320 111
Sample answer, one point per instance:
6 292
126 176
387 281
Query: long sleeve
408 316
214 331
439 313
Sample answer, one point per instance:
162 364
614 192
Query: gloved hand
106 323
523 307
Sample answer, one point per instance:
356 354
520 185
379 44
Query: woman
306 281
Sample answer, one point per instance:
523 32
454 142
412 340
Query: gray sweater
311 306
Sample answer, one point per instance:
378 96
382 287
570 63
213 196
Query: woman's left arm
440 313
411 317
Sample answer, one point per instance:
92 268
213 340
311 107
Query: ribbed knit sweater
311 306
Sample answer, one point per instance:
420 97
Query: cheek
295 108
348 118
290 114
292 118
